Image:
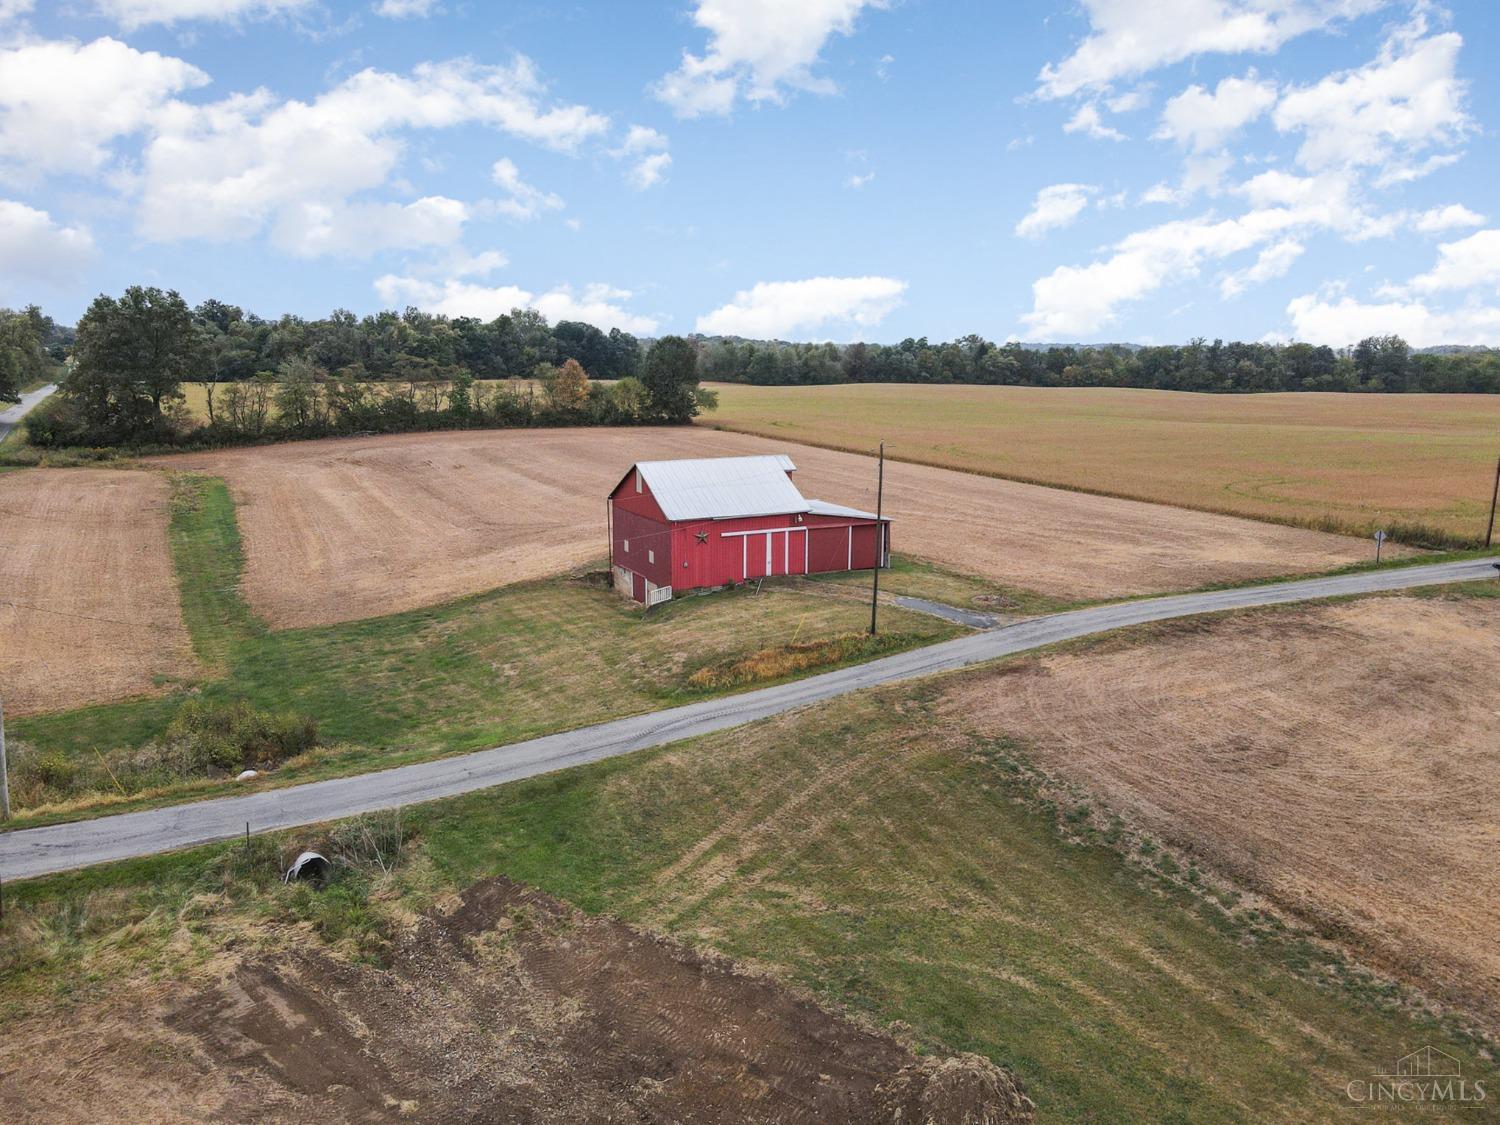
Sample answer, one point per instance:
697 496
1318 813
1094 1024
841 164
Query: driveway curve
41 851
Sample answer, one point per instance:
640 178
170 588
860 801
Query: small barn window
650 556
627 546
637 480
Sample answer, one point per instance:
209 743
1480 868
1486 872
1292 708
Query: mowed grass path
1345 462
868 850
495 668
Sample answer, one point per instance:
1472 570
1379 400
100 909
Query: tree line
1375 364
131 357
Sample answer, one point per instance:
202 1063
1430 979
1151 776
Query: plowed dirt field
88 603
344 529
1339 759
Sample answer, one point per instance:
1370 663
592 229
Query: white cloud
1055 206
649 171
357 230
133 14
1320 320
1073 301
1163 193
36 249
1406 173
14 9
1464 264
1274 261
523 201
1087 120
646 148
858 180
1202 120
1451 217
405 9
1130 100
757 50
1131 37
1378 115
62 104
221 171
774 309
599 305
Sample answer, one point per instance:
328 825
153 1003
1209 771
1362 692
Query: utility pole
879 540
4 769
1489 536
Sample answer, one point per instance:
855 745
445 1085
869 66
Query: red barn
676 526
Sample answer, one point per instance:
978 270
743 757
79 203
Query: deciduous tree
671 378
131 357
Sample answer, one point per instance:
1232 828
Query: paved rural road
39 851
11 417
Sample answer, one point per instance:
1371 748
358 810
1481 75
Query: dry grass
344 529
88 602
789 659
1354 462
1338 759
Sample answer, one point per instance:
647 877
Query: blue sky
1146 170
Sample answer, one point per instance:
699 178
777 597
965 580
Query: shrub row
203 740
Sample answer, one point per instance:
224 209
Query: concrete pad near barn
89 610
342 529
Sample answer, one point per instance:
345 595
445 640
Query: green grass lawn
490 669
873 851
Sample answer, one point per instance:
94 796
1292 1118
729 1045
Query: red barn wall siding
864 547
646 535
828 549
642 503
722 558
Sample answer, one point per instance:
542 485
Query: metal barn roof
824 508
704 488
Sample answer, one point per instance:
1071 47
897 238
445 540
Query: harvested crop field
1339 759
1356 461
344 529
88 602
508 1006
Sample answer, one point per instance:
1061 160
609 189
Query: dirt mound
510 1006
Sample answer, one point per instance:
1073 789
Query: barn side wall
646 537
810 545
720 558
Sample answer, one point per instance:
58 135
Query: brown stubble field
1353 462
343 529
1338 759
89 609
